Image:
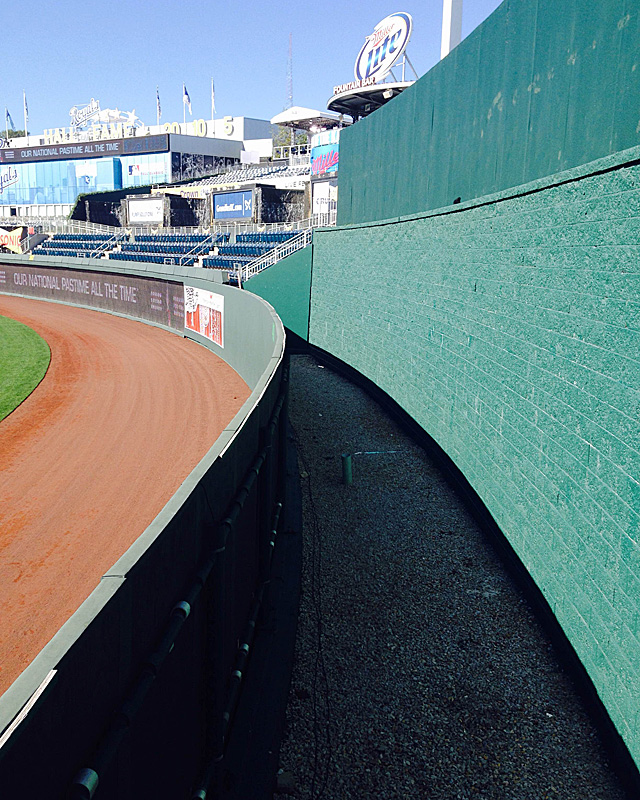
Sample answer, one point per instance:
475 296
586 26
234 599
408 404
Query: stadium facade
42 176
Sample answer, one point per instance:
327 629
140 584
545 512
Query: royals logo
383 47
8 177
80 116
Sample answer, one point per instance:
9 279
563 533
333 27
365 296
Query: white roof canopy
308 119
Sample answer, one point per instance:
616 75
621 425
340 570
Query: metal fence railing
51 225
302 227
270 257
61 225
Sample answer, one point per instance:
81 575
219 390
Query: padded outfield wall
539 87
134 689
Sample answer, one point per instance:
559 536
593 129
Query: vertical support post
451 26
347 469
217 653
264 505
282 429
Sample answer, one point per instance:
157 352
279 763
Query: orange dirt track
123 415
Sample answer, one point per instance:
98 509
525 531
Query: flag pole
24 108
184 106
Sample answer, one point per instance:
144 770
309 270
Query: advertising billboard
149 211
100 149
233 205
325 197
324 153
10 240
146 298
204 313
383 47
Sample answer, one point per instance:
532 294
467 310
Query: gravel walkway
420 671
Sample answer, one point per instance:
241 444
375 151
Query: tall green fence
485 276
539 87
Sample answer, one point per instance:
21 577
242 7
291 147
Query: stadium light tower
290 85
451 26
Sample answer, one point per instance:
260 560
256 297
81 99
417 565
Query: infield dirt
124 414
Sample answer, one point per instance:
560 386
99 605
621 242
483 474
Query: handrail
106 245
213 238
60 225
271 256
52 225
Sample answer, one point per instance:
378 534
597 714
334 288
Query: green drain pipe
347 469
347 462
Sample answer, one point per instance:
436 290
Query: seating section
188 250
181 249
78 245
254 173
274 238
247 248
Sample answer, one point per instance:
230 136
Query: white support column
451 26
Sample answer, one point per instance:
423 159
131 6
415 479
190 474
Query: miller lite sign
383 47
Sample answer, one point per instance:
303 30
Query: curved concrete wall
509 329
98 653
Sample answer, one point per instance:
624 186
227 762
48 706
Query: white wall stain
624 21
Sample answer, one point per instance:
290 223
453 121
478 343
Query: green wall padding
287 286
541 86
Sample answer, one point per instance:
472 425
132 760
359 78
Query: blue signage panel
233 205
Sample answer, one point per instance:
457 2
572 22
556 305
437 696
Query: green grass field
24 359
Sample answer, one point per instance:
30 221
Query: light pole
451 26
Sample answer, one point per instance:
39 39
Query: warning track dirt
124 414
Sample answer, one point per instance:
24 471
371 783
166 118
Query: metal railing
52 225
102 248
26 244
302 227
289 152
271 256
195 255
60 225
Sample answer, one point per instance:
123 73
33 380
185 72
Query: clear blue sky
63 54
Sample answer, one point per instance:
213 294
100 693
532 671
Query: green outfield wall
539 87
287 284
509 329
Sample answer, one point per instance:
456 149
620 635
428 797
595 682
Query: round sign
383 47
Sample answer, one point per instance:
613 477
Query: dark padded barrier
139 690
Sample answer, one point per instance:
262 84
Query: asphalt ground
420 669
